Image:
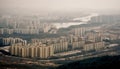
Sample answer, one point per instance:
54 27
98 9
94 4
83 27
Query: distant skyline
60 5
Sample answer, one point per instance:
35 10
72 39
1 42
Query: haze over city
59 34
59 5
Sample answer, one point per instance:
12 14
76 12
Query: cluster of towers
93 46
13 25
10 41
45 48
35 50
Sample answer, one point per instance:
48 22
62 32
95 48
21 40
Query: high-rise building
32 50
10 41
93 46
60 47
79 31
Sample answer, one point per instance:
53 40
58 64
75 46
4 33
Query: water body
83 20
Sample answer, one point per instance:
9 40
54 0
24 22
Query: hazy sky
60 4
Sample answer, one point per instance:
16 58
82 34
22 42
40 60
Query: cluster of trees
30 36
20 66
106 62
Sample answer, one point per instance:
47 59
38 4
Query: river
83 20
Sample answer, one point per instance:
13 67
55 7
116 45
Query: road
108 51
